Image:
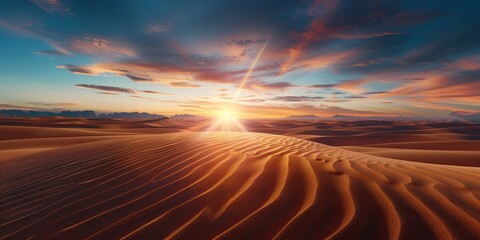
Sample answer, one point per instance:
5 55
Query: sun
226 115
226 120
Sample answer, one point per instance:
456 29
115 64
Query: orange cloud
353 86
458 88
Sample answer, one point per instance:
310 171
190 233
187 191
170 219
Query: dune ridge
225 185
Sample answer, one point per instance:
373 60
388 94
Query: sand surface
451 143
218 185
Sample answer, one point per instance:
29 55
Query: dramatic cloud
418 53
461 87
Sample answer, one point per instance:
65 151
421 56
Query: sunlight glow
227 121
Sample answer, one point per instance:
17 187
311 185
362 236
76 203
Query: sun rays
251 68
226 120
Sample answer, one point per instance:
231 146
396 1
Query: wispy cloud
107 88
51 52
184 85
155 92
376 92
52 6
297 98
265 86
62 104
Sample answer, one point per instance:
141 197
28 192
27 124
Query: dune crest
220 185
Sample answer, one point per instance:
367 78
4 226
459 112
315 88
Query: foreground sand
232 186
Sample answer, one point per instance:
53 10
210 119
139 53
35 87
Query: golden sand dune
233 186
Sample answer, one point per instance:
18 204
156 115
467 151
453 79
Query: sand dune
462 158
394 139
397 138
233 186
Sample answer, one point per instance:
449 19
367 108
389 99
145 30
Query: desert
227 119
105 179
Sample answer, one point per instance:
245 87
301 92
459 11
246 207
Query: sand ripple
234 186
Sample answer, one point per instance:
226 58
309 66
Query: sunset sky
256 58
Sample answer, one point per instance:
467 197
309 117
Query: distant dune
231 186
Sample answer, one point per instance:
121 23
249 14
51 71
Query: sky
259 59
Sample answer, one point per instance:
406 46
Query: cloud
54 104
111 90
354 96
297 98
78 69
107 93
184 85
157 28
265 86
107 88
14 106
53 7
412 78
138 78
166 73
322 86
375 92
461 87
418 51
336 100
365 35
155 92
100 47
246 42
253 100
51 52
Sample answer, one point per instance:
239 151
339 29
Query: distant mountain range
463 115
186 117
315 117
341 116
468 116
80 114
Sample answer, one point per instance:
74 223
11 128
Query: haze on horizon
257 59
